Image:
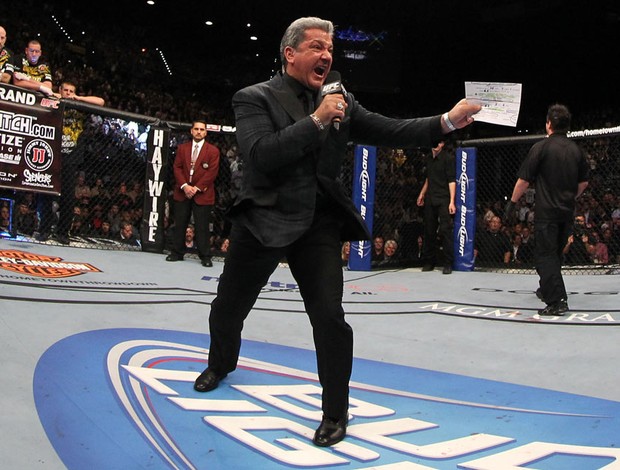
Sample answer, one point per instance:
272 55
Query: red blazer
205 171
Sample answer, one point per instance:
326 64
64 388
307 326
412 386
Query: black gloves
509 212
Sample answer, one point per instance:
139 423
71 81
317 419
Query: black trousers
437 216
551 237
183 211
314 260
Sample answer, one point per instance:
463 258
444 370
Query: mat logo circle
123 398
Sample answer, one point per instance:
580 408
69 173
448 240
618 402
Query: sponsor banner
30 140
364 199
42 266
152 227
465 217
123 398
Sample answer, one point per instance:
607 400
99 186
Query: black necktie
308 100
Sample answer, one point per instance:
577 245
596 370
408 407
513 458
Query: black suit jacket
286 157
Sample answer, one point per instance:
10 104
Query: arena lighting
62 28
209 23
253 38
150 2
163 59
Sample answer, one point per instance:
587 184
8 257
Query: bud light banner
364 200
152 228
30 140
465 217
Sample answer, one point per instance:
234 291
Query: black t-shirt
440 171
555 165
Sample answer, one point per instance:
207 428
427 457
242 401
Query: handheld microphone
333 85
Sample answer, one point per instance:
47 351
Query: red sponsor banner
30 140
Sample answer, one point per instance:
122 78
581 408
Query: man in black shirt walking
559 170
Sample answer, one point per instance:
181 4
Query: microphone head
332 76
332 84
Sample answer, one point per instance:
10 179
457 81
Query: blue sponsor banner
465 217
123 398
364 199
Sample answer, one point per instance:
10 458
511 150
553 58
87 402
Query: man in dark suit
195 168
292 205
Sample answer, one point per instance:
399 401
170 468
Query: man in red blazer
195 169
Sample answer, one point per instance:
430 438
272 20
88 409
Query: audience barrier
118 180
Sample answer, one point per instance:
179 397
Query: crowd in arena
108 201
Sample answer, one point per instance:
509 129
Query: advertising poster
30 140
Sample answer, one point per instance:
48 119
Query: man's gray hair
296 33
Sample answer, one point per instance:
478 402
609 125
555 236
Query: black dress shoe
63 239
207 263
173 258
557 309
330 431
428 267
447 269
207 381
42 237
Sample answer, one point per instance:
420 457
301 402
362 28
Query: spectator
121 198
126 235
600 252
515 250
114 217
6 58
578 247
81 188
78 228
105 231
612 240
190 242
345 253
100 192
522 210
136 193
390 253
5 213
72 150
377 249
527 245
25 220
32 72
35 74
492 246
67 90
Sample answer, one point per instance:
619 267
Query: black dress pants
551 237
437 216
314 260
183 211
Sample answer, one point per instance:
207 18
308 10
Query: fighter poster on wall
30 140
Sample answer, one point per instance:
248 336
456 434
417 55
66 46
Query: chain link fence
108 168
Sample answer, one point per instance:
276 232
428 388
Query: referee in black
558 168
437 197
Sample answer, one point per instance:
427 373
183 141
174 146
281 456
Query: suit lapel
287 98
